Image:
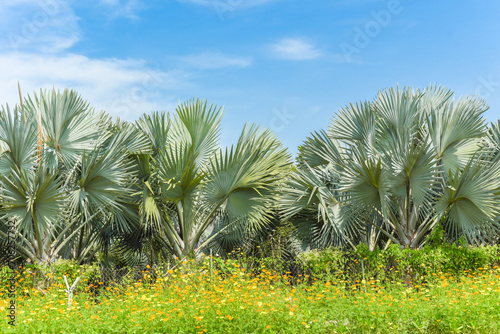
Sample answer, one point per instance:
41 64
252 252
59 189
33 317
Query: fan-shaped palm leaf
455 128
35 204
18 135
68 125
471 201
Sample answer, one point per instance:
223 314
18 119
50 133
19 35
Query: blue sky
285 64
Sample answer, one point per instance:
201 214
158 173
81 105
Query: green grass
241 303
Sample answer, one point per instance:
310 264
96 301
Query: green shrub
396 264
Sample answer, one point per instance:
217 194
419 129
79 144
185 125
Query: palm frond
198 125
69 126
156 128
18 136
243 181
456 129
471 201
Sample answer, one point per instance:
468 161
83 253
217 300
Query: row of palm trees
78 184
393 169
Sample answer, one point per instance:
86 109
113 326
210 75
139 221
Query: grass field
199 302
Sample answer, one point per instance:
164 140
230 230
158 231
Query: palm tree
188 186
63 174
76 183
392 169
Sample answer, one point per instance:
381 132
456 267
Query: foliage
64 176
391 170
396 264
275 246
191 191
191 299
80 186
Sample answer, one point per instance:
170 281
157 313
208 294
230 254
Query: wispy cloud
123 8
35 41
295 49
38 26
209 61
124 88
229 3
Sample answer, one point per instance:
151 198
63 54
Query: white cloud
228 5
123 8
124 88
35 41
295 49
208 60
48 26
35 36
6 4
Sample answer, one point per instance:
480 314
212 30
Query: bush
396 264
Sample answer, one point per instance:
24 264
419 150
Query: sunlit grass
192 300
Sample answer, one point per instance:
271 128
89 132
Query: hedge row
396 264
391 265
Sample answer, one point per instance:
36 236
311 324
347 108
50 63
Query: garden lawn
241 303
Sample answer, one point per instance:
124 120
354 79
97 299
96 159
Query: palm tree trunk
80 243
38 236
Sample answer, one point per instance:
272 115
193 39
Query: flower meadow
194 298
